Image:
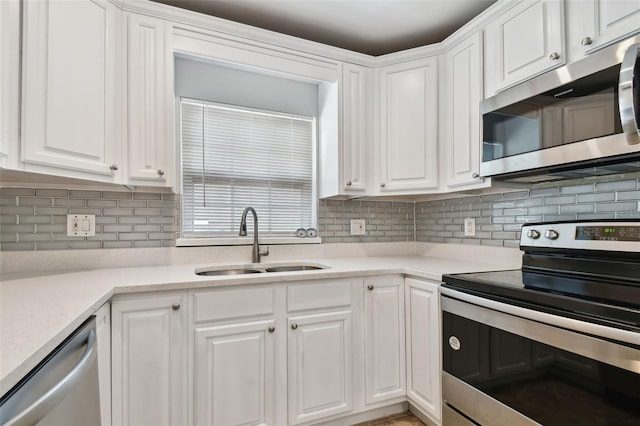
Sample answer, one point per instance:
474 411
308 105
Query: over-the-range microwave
579 120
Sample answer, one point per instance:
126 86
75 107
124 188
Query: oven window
546 384
584 109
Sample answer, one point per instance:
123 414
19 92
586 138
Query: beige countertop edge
24 345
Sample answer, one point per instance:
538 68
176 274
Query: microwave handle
628 94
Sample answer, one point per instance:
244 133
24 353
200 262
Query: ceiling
373 27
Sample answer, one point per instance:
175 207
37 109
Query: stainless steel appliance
579 120
554 343
62 389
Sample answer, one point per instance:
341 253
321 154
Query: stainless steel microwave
579 120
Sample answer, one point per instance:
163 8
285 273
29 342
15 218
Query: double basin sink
258 269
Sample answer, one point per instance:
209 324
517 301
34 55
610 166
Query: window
235 157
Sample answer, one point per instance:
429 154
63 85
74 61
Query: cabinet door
408 138
149 136
423 346
234 374
320 366
525 41
149 345
462 114
9 82
609 21
103 338
69 88
384 356
354 127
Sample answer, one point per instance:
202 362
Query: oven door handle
628 93
36 411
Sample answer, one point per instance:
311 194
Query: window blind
233 158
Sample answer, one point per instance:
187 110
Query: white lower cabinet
384 339
423 346
103 338
234 374
320 366
149 347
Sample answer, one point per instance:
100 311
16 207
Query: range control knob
551 234
533 234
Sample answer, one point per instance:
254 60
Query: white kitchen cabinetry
9 82
526 40
408 132
70 88
149 360
320 354
103 338
423 346
150 138
384 339
593 24
235 367
234 374
462 136
344 161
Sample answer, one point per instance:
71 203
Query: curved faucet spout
256 253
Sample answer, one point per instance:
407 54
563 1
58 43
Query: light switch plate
81 225
358 227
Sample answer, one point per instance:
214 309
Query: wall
35 218
500 216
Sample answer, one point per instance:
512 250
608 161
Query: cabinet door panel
149 361
385 375
525 41
148 136
615 19
354 128
320 366
69 85
409 126
234 374
423 346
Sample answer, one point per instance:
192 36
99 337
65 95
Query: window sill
248 241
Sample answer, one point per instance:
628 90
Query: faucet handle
264 251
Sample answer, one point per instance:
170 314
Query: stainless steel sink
238 271
258 268
291 268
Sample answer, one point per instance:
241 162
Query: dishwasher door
62 389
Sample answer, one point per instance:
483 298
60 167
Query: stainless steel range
554 343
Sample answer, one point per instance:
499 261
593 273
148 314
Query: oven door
509 365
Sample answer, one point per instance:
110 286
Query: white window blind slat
233 158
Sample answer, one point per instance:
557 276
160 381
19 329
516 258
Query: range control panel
607 236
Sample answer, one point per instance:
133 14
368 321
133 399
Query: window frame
228 240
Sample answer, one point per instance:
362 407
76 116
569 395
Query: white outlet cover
81 225
358 227
470 227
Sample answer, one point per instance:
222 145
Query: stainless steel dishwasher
62 389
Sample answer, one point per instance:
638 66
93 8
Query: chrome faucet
256 253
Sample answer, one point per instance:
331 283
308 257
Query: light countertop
38 312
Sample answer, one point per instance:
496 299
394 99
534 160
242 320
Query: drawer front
319 295
228 304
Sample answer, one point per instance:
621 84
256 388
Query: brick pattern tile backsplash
499 217
35 218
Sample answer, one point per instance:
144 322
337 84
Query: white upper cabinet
150 138
592 24
461 118
9 82
408 127
70 88
526 40
344 160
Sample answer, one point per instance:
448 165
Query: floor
401 419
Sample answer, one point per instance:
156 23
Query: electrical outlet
81 225
358 227
470 227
